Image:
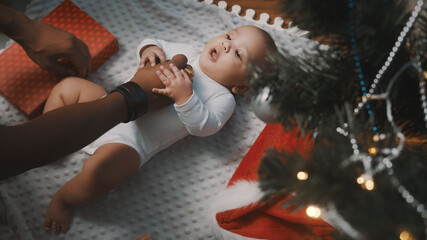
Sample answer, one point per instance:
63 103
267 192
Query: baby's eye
237 54
228 37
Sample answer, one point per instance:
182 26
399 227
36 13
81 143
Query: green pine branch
311 91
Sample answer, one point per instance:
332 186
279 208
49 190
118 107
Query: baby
202 106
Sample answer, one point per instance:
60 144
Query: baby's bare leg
73 90
109 166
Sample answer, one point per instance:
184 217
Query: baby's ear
239 90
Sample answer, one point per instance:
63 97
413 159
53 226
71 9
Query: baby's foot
58 216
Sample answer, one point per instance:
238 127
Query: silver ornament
263 108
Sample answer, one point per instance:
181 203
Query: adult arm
57 133
45 44
64 130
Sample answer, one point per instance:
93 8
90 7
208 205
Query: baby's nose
226 46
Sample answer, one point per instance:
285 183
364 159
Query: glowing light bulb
369 185
404 235
302 175
376 138
313 211
372 151
366 182
360 180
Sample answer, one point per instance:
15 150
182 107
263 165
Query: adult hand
149 54
45 44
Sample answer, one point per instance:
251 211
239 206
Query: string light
360 180
387 161
313 211
404 235
369 185
392 53
365 94
422 84
376 138
366 182
372 151
302 175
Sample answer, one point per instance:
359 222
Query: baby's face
225 58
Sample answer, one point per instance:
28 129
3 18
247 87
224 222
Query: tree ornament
263 108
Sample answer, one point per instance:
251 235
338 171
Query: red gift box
25 84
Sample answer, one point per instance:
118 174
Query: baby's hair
271 45
270 50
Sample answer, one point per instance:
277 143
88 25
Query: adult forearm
57 133
13 23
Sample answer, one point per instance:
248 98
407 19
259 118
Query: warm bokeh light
376 138
404 235
369 185
313 212
302 175
360 180
372 150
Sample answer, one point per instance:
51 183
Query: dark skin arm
21 145
45 44
64 130
57 133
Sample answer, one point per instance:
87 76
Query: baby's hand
150 54
178 85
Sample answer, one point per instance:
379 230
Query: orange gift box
25 84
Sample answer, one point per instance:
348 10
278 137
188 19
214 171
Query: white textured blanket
169 197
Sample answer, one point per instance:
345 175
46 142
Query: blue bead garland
406 195
387 161
357 61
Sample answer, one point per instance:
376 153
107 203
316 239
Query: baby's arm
200 119
205 119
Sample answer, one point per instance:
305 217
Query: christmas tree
362 97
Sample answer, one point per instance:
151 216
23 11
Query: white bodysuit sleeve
170 49
206 119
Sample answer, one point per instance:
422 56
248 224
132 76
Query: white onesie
205 112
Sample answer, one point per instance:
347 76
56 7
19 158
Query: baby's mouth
213 55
